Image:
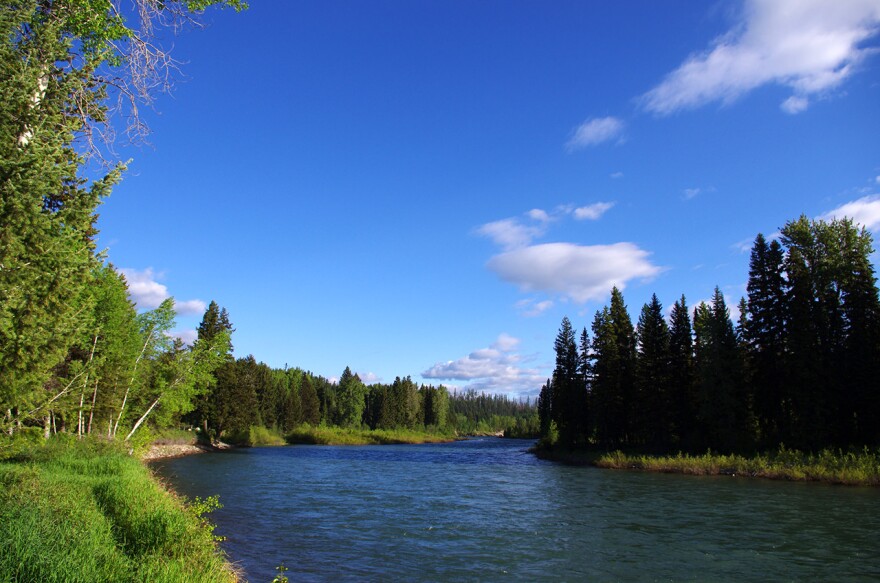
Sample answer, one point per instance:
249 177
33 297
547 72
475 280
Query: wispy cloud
593 211
617 175
595 131
496 369
187 336
147 293
190 307
511 233
517 232
811 46
369 378
531 308
577 272
864 211
690 193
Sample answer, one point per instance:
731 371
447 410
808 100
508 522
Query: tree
764 338
569 391
61 64
215 322
723 410
311 406
350 399
681 374
613 358
833 332
652 402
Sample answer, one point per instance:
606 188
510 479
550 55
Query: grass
323 435
829 466
84 511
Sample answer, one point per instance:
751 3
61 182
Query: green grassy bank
87 511
347 436
856 468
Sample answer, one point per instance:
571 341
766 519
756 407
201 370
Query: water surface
486 510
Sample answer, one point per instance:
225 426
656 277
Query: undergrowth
88 512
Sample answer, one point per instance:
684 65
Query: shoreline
847 469
163 451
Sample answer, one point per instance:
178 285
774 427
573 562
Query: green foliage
801 365
324 435
126 527
830 466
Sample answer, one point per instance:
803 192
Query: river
486 510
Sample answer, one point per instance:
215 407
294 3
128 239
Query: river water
486 510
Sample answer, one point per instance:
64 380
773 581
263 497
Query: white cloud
864 211
811 46
593 211
188 336
577 272
146 292
690 193
795 104
531 308
497 369
190 307
369 378
617 175
539 215
595 131
510 233
505 343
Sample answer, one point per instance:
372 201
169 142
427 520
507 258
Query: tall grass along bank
322 435
88 512
856 468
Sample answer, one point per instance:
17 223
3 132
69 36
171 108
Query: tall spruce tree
723 412
683 396
764 337
613 358
652 424
569 392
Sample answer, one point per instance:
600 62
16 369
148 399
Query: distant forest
799 367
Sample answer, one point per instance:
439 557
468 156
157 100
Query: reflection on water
485 510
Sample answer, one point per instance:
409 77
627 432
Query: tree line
242 393
800 367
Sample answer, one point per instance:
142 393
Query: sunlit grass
835 467
90 512
323 435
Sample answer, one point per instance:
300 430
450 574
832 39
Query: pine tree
311 407
569 392
723 413
652 405
350 399
764 337
681 374
613 357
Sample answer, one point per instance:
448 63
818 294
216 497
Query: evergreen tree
723 410
569 391
764 337
681 374
215 321
652 423
545 406
613 358
350 399
311 408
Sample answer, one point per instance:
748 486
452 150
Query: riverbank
860 468
87 511
347 436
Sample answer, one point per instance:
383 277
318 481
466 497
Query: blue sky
426 188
